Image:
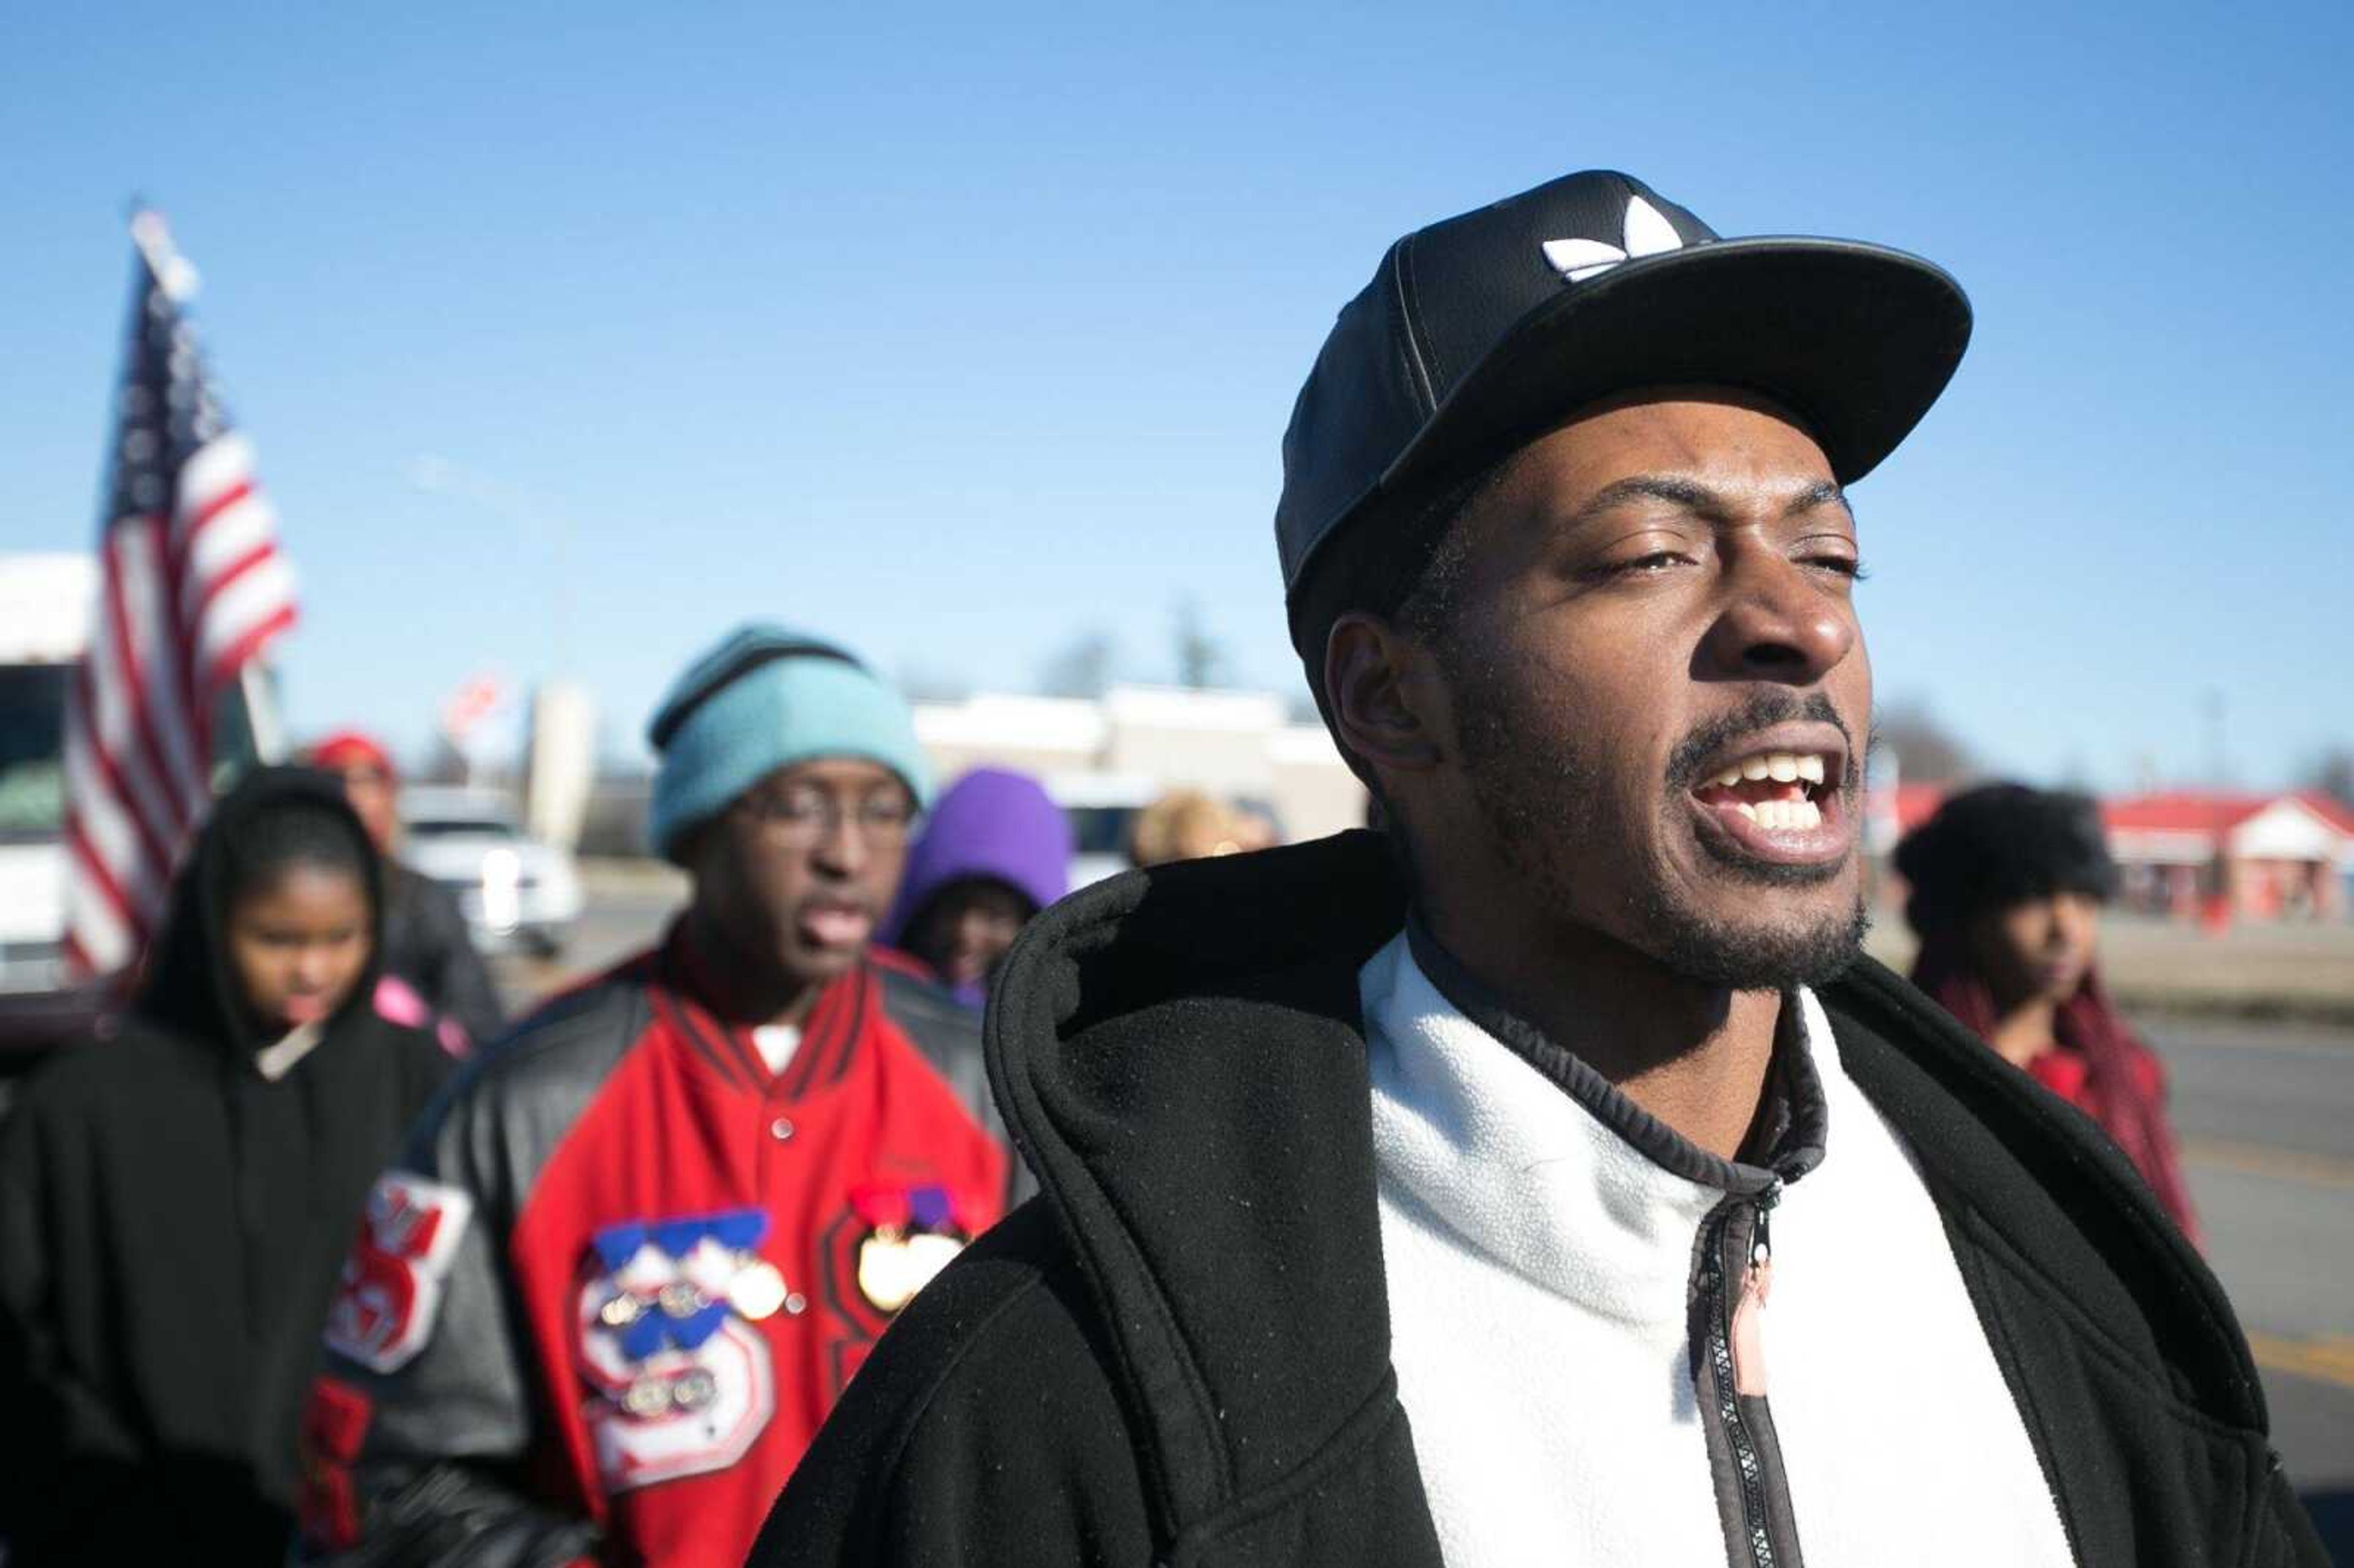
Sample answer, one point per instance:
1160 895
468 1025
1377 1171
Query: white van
516 892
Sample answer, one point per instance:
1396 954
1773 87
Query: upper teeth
1782 767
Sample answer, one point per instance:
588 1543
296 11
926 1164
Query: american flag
191 588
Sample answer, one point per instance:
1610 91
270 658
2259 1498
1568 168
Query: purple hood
994 823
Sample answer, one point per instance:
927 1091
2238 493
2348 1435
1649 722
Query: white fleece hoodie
1540 1271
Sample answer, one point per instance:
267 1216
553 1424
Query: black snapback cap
1480 332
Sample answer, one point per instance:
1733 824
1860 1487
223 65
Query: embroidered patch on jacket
874 1255
391 1288
679 1372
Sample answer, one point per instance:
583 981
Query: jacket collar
1181 1057
831 1035
1528 1157
1786 1142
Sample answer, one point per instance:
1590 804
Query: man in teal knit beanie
719 1170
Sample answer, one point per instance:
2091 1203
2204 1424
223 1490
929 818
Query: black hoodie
1178 1354
171 1227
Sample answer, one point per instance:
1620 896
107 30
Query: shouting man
1551 1181
601 1305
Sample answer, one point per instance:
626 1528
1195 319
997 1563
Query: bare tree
1201 657
1080 668
2333 774
1926 751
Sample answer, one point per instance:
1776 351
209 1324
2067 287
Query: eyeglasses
804 816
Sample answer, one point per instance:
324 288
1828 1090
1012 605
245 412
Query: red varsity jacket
622 1271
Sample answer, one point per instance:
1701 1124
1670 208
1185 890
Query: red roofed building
2276 855
2272 856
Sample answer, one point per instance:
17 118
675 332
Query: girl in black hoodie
175 1201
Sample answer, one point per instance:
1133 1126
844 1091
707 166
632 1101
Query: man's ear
1385 702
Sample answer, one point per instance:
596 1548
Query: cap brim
1855 340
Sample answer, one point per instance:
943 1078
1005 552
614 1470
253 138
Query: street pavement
2266 1115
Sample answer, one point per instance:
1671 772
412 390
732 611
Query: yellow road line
2328 1358
2275 1164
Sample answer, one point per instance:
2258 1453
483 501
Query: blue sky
958 331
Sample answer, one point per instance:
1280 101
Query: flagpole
168 460
153 237
176 276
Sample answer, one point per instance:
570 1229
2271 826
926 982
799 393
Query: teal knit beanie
766 698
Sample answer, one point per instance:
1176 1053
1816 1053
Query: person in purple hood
994 853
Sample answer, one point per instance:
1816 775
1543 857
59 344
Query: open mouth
1781 803
1782 790
835 925
307 1008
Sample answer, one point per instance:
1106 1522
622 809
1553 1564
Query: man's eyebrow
1688 494
1694 496
1823 493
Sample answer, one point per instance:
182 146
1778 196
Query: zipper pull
1761 1236
1749 1312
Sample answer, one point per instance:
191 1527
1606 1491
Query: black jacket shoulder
1180 1351
991 1434
86 1073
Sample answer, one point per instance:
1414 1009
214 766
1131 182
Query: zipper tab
1761 1235
1749 1312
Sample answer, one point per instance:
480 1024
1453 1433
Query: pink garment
2100 1067
398 1002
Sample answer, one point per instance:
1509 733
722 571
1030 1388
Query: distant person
2007 886
427 947
626 1266
996 851
1186 824
175 1199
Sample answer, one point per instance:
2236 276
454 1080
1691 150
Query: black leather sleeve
985 1429
947 1033
433 1371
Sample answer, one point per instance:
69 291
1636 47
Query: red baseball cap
352 748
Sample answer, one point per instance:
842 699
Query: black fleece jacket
1180 1352
171 1227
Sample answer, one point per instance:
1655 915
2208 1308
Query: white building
1105 757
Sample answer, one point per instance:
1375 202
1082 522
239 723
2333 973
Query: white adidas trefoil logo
1647 233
